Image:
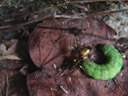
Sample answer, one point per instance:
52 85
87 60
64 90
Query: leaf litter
54 40
57 75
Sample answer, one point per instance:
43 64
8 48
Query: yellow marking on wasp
85 57
85 51
74 60
81 67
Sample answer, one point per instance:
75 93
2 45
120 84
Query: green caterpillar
108 70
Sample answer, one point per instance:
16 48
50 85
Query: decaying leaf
13 49
71 84
9 48
56 38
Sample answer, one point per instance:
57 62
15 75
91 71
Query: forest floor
41 43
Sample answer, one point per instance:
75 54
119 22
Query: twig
25 23
35 12
81 7
63 16
20 15
87 1
120 86
68 16
57 16
17 5
89 15
11 57
106 12
2 3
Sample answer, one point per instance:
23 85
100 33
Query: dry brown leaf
56 38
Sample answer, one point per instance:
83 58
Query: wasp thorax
84 52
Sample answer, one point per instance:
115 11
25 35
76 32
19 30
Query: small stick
120 86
